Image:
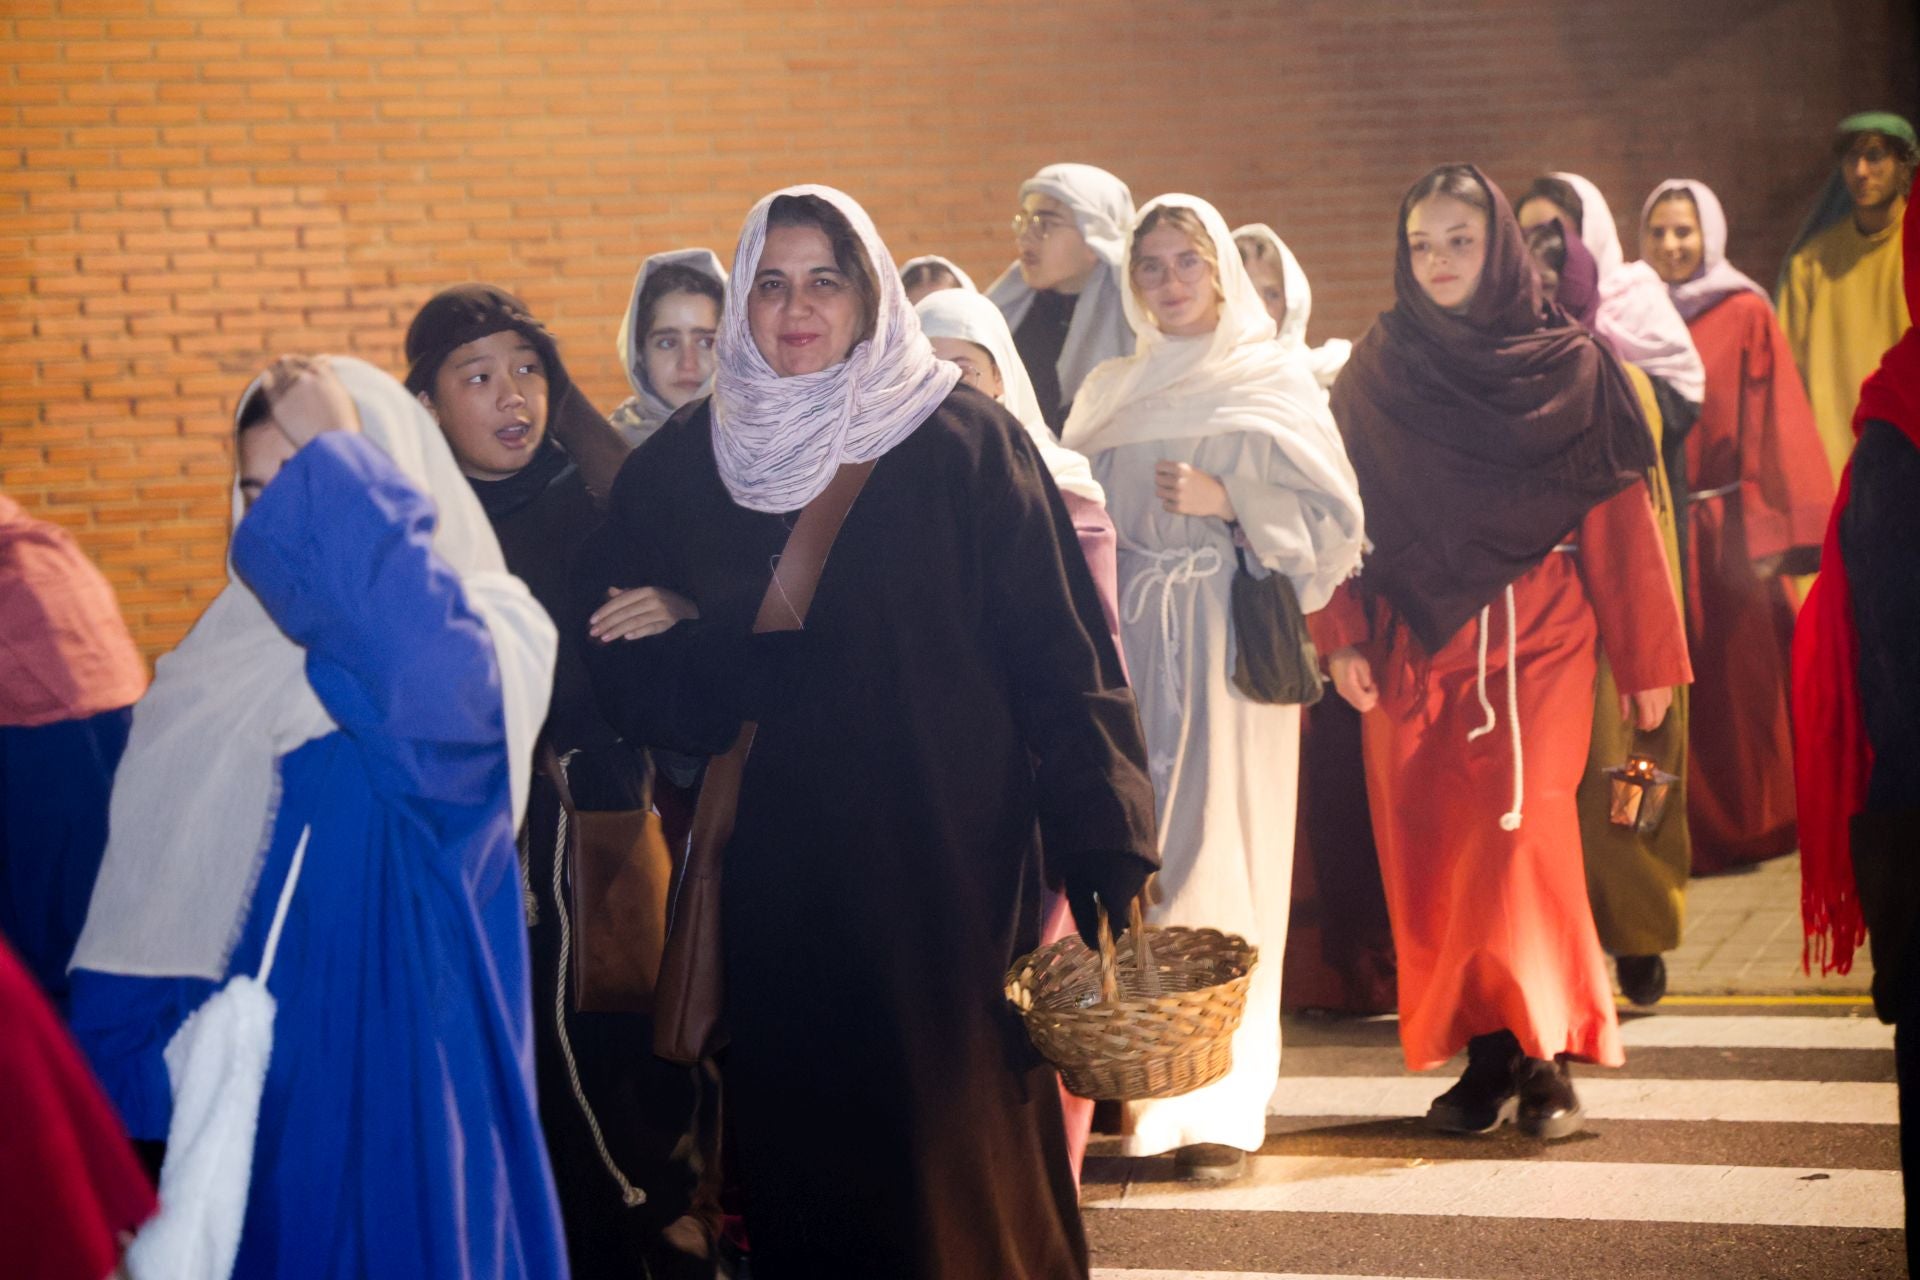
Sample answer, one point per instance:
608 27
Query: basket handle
1109 959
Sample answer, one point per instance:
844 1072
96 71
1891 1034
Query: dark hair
932 273
849 254
1559 193
1668 196
1548 244
1903 151
1456 180
674 277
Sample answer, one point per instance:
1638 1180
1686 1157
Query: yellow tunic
1842 306
1638 884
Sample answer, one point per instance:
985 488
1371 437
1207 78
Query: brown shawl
1482 439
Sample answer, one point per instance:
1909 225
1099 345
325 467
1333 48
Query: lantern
1640 792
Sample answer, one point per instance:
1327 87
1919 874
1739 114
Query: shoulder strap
796 574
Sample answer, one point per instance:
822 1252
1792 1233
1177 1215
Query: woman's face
1270 280
490 399
1179 286
1549 278
803 311
678 350
1447 240
977 368
263 450
1053 253
1671 241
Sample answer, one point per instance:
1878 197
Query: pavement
1752 1133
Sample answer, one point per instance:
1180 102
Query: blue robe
398 1133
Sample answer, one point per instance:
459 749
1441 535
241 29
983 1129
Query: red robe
1493 928
1756 437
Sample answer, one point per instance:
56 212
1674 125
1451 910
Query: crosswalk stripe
1807 1101
1754 1031
1613 1192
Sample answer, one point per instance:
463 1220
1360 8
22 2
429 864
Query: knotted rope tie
1510 820
1172 568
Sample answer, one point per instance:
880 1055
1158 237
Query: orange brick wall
194 185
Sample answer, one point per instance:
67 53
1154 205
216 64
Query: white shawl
195 798
1235 379
1330 357
1636 315
1103 210
1716 278
970 317
643 415
778 441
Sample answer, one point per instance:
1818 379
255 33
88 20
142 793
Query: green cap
1884 122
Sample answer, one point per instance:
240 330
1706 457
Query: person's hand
637 613
1768 566
1647 709
1185 490
1353 677
1112 880
308 399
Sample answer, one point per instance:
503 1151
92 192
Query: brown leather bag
687 1007
619 869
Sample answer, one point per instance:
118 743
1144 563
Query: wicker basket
1156 1027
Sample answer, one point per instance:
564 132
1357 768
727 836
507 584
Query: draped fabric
644 412
778 441
1329 357
1715 278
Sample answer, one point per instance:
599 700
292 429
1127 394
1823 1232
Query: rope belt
1179 566
1704 495
1510 820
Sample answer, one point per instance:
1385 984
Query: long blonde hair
1183 220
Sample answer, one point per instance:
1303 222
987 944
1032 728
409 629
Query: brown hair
1669 196
1455 180
849 254
674 277
1180 219
1559 193
929 273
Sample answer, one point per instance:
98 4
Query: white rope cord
630 1195
1510 820
280 910
1172 568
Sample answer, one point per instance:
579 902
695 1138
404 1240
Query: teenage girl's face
1671 239
1053 253
977 368
1179 286
1447 239
1270 280
678 350
263 450
803 311
490 399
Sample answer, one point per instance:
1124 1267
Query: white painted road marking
1804 1101
1754 1031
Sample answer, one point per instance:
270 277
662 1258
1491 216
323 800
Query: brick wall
194 185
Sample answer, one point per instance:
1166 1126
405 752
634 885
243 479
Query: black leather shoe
1210 1162
1643 979
1486 1096
1549 1108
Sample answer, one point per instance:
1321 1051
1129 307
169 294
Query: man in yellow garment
1840 297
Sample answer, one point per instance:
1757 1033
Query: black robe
954 695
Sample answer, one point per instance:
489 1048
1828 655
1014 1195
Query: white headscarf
945 264
970 317
649 410
1103 211
1636 315
195 798
1330 357
778 441
1235 379
1716 278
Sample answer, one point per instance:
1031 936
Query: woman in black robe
952 697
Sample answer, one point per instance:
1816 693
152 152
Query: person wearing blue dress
369 682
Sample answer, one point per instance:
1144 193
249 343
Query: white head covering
1235 379
778 441
1636 314
1716 278
196 795
1327 359
1103 211
945 264
649 410
970 317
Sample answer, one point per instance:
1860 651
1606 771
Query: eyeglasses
1873 153
1042 224
1187 268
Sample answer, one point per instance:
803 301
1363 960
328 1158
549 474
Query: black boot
1485 1098
1549 1108
1643 979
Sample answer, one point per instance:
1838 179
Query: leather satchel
687 1026
1274 659
619 868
